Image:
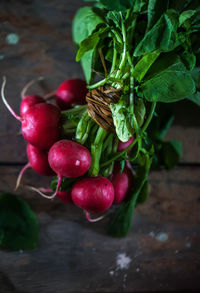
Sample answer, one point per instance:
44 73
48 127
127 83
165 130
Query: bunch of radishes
49 153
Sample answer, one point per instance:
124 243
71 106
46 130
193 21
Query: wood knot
99 100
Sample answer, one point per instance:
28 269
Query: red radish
40 124
38 160
123 145
94 194
72 91
67 159
122 182
65 196
28 102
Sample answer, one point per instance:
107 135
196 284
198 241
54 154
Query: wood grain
76 256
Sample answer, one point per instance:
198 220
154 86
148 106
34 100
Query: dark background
163 246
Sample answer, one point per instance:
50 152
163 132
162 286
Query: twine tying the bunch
99 100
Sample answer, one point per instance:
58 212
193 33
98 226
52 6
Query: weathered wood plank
162 248
45 48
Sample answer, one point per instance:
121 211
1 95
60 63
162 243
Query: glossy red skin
65 196
41 125
69 159
94 194
39 160
122 182
28 102
123 145
72 91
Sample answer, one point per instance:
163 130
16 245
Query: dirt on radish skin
122 182
94 194
28 102
69 159
71 92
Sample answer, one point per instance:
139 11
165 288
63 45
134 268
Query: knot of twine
99 100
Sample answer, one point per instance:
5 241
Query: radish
67 159
28 102
65 196
123 145
40 124
122 182
93 194
38 160
72 91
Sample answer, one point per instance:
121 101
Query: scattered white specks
137 270
161 237
152 234
111 273
188 245
123 261
124 280
1 57
12 39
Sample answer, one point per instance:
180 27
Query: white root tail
6 103
30 83
41 190
88 217
19 178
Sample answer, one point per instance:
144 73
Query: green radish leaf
189 59
122 165
143 196
139 111
163 35
120 5
84 23
155 9
90 43
160 123
169 85
115 18
171 152
122 121
18 224
144 64
87 64
185 15
121 223
66 183
195 98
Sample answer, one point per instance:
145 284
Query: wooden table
162 251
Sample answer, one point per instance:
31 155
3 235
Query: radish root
41 190
28 165
6 103
88 217
24 90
